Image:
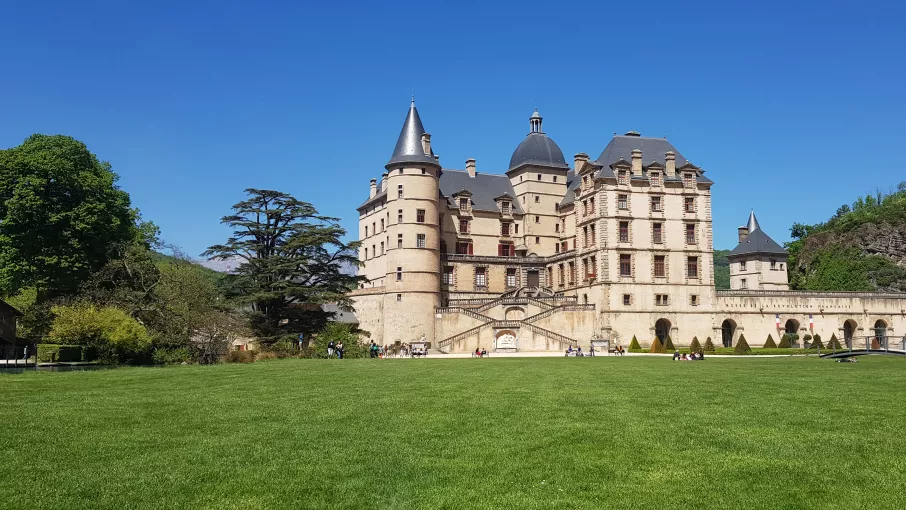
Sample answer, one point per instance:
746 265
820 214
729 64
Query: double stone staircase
549 304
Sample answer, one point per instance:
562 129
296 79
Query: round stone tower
413 260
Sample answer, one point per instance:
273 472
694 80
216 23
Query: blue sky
792 109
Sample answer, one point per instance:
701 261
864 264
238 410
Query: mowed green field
632 432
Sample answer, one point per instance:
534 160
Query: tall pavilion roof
654 150
757 241
409 145
485 188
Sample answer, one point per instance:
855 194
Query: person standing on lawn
340 348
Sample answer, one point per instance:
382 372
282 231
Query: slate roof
409 144
484 188
653 150
538 149
757 242
340 315
572 184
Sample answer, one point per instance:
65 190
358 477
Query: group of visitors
693 356
578 351
480 353
335 349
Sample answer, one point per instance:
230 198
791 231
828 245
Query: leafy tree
337 332
634 344
60 214
695 346
742 347
709 345
117 337
785 341
721 269
769 343
657 346
292 260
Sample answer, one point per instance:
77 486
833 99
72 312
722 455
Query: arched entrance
662 329
880 339
791 327
514 314
727 330
505 339
849 329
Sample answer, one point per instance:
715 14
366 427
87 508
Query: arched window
849 329
880 339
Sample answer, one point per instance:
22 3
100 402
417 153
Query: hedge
769 343
634 345
785 341
657 346
669 347
56 353
742 347
833 343
709 345
695 346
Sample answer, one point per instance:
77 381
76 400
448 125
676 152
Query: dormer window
463 204
621 177
655 178
688 179
505 207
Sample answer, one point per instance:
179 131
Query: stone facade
546 255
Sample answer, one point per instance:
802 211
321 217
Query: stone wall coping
809 293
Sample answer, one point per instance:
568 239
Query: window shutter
470 248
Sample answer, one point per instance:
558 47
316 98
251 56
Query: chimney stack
373 191
426 143
670 170
470 167
384 182
579 161
636 162
743 233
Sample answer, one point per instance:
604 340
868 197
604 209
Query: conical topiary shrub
657 346
634 344
833 343
709 345
742 347
695 346
668 346
769 343
785 342
816 342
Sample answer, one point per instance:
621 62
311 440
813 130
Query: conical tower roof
757 241
409 145
753 223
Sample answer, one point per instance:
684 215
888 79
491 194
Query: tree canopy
291 260
60 215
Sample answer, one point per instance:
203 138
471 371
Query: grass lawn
460 434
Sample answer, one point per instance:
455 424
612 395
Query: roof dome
537 148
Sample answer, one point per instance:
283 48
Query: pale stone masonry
544 255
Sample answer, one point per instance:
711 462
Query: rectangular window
511 277
687 180
660 299
366 253
505 229
399 240
657 236
656 204
537 240
399 274
537 219
625 264
448 275
555 178
463 204
505 207
537 199
773 264
572 273
743 284
690 233
539 177
655 178
742 265
399 191
557 227
382 224
624 231
693 300
481 277
366 230
622 202
593 268
515 228
627 299
506 250
564 246
399 298
382 247
692 267
689 204
420 215
463 248
463 226
562 274
585 237
660 266
399 216
591 203
584 181
621 177
419 240
585 208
